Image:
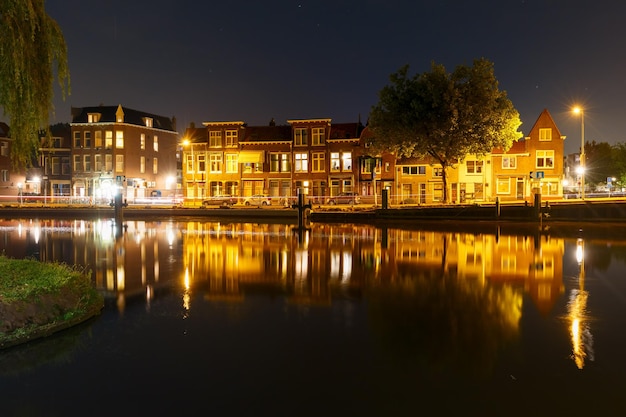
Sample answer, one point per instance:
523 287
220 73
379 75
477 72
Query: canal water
245 319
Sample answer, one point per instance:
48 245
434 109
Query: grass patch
37 298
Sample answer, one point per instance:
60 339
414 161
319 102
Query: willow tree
446 116
32 54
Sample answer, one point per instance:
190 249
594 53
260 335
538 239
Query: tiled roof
131 116
4 130
346 130
267 134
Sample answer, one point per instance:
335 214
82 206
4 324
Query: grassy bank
38 299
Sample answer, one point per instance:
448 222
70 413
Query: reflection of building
228 260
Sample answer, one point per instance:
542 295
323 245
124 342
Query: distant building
55 153
114 147
533 165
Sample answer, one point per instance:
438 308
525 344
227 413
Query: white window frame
544 159
545 134
509 162
318 136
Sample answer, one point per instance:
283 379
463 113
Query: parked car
219 200
257 200
344 198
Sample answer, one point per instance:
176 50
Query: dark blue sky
255 60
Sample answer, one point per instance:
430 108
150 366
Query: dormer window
148 121
93 117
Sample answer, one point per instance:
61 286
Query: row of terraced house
108 149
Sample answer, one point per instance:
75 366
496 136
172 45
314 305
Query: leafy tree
32 50
444 115
619 161
598 162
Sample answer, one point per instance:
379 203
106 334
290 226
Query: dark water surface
228 319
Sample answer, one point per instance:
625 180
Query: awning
251 157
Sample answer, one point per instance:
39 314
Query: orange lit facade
114 147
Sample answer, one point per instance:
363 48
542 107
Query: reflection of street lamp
579 110
582 340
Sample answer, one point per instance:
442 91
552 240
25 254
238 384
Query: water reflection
582 339
417 282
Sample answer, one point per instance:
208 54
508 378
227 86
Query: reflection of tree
57 349
445 323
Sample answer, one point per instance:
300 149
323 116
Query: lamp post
579 110
187 142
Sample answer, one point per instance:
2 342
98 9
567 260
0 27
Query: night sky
254 60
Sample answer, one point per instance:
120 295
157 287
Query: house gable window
545 134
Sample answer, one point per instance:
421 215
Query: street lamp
187 143
579 110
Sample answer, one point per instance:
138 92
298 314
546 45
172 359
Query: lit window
335 161
142 141
108 139
148 121
119 139
155 143
545 134
155 165
503 185
142 164
232 163
301 162
346 159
